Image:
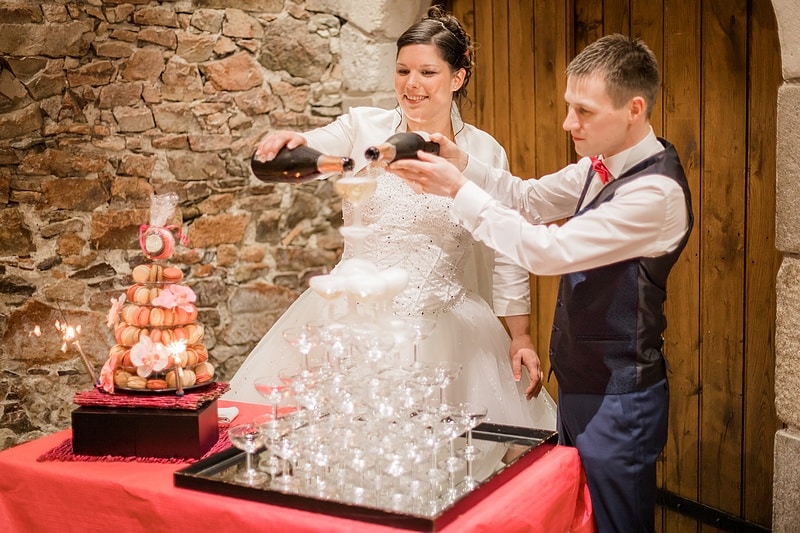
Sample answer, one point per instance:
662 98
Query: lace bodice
415 232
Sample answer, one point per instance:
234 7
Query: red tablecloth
549 496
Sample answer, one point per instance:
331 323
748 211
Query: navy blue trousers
619 438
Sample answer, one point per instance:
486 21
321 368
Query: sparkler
69 335
176 349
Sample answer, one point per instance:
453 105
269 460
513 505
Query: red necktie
600 169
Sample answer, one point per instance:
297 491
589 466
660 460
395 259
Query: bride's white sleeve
335 138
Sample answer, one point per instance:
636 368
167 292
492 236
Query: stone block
787 14
785 496
388 18
787 186
367 64
787 342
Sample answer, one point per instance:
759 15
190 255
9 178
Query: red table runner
63 452
192 400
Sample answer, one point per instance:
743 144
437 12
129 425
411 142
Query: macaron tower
159 342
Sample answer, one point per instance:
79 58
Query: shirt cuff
471 198
475 170
469 203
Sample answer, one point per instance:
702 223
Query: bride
451 277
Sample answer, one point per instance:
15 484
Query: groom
630 216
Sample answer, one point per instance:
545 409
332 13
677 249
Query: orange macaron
171 274
141 273
156 384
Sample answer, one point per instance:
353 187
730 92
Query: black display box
163 433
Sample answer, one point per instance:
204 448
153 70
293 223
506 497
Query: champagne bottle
401 146
299 165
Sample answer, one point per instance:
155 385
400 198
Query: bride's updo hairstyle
445 32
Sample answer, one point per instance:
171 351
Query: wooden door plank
724 62
484 32
647 23
616 17
464 11
522 94
588 23
762 261
553 149
522 98
680 106
501 73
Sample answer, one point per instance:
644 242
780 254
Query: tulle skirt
468 334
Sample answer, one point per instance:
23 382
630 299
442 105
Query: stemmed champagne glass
321 329
330 288
437 476
359 462
395 466
272 430
396 280
471 415
302 340
340 345
368 291
402 336
248 438
373 343
309 393
452 428
423 376
446 372
356 190
286 449
273 389
351 270
423 327
293 378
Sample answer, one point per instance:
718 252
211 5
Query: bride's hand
269 145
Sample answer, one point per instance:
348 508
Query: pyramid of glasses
368 423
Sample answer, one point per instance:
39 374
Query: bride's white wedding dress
415 232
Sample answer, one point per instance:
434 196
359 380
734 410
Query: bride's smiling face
424 84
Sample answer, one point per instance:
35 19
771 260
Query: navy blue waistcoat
609 321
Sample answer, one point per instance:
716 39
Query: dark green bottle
400 146
299 165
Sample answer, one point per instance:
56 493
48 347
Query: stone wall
105 102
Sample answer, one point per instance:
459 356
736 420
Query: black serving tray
523 446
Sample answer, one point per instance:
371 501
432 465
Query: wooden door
720 66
